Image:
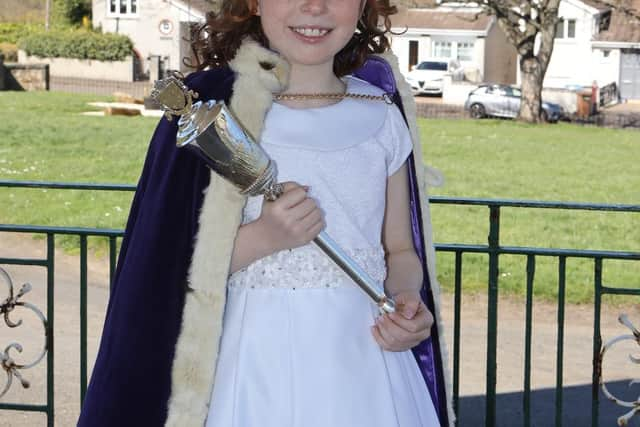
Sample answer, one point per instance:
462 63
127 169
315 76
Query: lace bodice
306 267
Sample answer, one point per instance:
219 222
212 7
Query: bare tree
529 26
523 23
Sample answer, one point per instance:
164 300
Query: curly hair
215 42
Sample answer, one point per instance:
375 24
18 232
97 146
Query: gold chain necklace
335 96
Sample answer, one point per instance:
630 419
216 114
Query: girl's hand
292 220
407 327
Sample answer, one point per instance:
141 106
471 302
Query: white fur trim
409 106
256 83
193 370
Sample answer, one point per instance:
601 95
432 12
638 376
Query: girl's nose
314 7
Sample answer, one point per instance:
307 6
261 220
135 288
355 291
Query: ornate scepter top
174 96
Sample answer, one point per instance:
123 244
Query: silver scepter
213 133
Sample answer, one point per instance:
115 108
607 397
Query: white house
456 33
595 43
156 27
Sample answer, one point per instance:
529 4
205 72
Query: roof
599 5
436 19
623 27
203 6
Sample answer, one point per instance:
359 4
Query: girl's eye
267 65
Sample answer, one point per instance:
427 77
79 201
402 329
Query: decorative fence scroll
634 405
7 307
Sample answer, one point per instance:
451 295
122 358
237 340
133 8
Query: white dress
296 348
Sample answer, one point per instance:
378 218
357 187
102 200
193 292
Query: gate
630 74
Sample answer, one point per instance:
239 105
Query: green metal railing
49 263
493 250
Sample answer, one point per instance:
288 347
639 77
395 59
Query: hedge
10 52
78 44
12 32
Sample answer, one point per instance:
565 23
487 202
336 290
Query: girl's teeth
311 32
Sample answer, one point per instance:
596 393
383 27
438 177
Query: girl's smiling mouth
310 33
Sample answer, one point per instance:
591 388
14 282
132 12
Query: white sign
165 27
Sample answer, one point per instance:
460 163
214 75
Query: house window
123 7
560 29
604 21
465 51
571 29
413 53
442 49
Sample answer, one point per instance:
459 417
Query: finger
424 310
397 337
408 303
418 328
378 337
430 319
292 197
304 208
290 185
410 309
312 218
315 229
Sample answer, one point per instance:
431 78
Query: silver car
427 76
498 100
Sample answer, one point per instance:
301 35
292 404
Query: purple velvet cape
131 379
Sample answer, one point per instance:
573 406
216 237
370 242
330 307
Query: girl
222 312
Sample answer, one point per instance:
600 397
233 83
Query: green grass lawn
562 162
45 138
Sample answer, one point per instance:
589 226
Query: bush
70 12
10 52
78 44
11 32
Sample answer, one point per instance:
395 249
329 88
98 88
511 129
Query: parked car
427 76
497 100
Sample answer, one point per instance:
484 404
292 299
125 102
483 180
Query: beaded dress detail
306 267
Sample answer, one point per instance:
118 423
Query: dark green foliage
78 44
12 32
10 52
70 12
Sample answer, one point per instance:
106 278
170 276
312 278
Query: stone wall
122 71
25 77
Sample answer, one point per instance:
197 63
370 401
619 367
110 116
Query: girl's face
309 32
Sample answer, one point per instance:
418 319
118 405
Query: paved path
577 357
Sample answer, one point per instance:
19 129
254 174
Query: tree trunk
533 65
531 76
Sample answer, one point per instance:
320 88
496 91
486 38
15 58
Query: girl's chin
311 61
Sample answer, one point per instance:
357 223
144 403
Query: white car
427 76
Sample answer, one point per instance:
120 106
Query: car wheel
477 111
544 117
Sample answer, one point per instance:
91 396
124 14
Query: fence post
3 72
492 315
